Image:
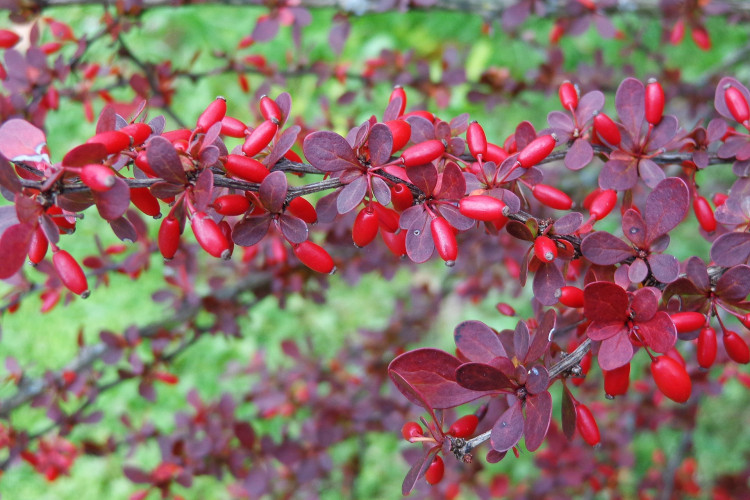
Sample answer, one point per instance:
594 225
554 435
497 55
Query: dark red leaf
352 194
14 245
425 177
164 161
272 192
521 340
605 302
203 190
482 377
666 206
604 248
418 469
537 380
734 284
731 249
113 203
329 152
477 341
645 303
508 429
548 280
538 417
22 141
8 178
251 230
541 337
452 184
568 413
615 352
84 154
630 105
282 145
659 332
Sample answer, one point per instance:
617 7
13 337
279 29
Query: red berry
422 153
607 129
677 33
315 257
401 132
233 127
398 91
419 112
495 154
603 204
571 296
401 197
98 177
435 471
396 242
231 204
114 141
213 113
585 367
586 425
365 227
145 201
707 347
737 104
169 237
226 230
38 246
270 110
303 209
745 320
476 140
688 321
8 39
138 132
182 134
552 197
568 96
545 248
260 138
209 236
671 378
719 199
701 38
481 207
464 426
411 430
445 240
536 150
616 381
70 273
654 102
736 347
246 168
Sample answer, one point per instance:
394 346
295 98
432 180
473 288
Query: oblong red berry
270 110
688 321
654 101
603 203
145 201
701 37
607 129
436 470
411 430
226 230
70 273
8 39
707 347
209 236
552 197
616 381
213 114
113 141
182 134
139 132
704 214
571 296
260 138
38 246
232 127
445 240
586 425
315 257
476 140
398 91
537 150
464 426
422 153
545 248
396 242
365 227
98 177
169 237
420 112
481 207
401 197
495 153
245 168
231 204
300 207
736 347
745 320
671 378
401 132
568 96
387 217
737 104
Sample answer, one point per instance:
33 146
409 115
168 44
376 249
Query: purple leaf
14 245
599 330
630 104
477 341
351 195
664 267
589 104
537 380
666 206
339 33
432 373
634 227
519 230
381 190
548 280
326 207
508 429
380 144
521 340
659 332
8 178
650 173
272 191
265 29
251 230
615 352
293 228
113 203
22 141
418 469
697 272
644 303
422 129
538 417
579 155
568 223
391 111
603 248
734 284
425 177
329 152
124 229
482 377
284 100
282 145
203 190
541 337
560 121
605 302
568 413
419 243
456 219
452 184
164 161
618 174
731 249
663 133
